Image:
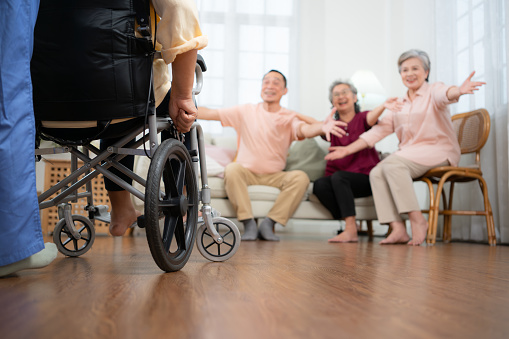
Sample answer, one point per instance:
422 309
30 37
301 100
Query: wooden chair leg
429 237
490 225
433 222
448 217
369 223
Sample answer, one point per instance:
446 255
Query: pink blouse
423 127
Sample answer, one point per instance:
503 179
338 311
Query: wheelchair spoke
75 241
180 235
66 240
229 231
169 202
169 228
169 180
227 243
181 177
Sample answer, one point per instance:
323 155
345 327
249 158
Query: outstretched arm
205 113
306 119
339 152
391 104
322 128
468 87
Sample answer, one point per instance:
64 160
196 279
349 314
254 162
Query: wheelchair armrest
201 62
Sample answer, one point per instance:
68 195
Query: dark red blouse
360 162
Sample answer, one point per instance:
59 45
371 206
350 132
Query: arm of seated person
205 113
392 104
182 109
321 128
306 119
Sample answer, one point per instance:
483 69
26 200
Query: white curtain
473 35
247 39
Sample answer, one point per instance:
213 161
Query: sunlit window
466 34
246 39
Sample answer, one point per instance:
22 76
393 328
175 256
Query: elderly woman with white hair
427 140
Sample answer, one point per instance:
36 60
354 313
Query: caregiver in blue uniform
21 241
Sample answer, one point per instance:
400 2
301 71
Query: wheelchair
172 198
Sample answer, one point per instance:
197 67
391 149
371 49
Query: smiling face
413 74
273 88
343 98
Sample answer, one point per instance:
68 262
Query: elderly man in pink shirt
265 132
427 139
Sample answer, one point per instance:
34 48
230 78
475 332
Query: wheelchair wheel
214 251
65 241
171 196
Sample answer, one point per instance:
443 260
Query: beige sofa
306 155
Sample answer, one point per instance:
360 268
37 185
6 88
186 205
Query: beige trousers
392 185
292 184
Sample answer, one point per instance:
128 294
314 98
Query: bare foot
398 236
123 214
345 237
123 221
419 228
419 232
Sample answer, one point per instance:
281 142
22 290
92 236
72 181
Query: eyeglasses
341 93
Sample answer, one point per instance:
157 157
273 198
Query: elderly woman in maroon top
348 178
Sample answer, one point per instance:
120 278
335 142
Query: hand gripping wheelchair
172 198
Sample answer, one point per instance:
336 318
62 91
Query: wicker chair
472 129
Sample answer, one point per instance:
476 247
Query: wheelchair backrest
88 63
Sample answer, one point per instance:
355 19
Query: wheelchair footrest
101 213
141 221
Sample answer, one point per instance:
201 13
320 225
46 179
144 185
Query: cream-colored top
178 31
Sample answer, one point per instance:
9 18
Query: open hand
336 152
331 126
469 86
393 104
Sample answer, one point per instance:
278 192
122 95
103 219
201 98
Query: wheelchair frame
210 236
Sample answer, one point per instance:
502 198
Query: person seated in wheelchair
178 37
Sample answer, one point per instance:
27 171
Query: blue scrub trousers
20 224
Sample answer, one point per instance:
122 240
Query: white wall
339 37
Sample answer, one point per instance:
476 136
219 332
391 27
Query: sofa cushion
256 192
306 155
217 158
216 185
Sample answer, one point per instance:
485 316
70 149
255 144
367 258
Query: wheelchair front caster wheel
67 244
218 251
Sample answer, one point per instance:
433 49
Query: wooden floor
301 287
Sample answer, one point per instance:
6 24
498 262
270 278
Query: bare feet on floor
345 237
397 236
419 232
123 214
121 222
